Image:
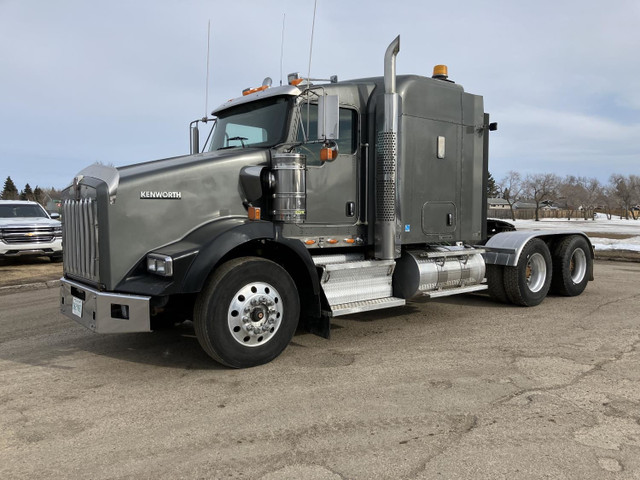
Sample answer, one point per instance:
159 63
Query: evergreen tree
27 193
492 188
10 192
38 196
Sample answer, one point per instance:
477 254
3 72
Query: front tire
572 264
528 283
247 312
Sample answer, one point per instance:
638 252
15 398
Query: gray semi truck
310 201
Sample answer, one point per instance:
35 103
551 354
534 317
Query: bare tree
607 198
593 192
541 187
634 185
580 193
623 192
571 191
510 187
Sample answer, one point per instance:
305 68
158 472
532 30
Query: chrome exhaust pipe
390 66
386 234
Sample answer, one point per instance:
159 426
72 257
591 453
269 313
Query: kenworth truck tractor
309 201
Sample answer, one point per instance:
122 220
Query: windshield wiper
242 139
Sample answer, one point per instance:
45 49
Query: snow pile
601 225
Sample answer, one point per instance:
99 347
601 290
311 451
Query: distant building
524 206
497 203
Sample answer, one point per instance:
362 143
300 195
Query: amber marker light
328 154
253 213
309 242
440 70
249 91
332 241
296 82
350 240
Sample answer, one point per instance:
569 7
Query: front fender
200 251
194 256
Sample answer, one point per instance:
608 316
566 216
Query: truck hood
28 222
149 205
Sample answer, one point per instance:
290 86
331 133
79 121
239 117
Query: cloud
119 81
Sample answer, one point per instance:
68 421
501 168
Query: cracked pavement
459 387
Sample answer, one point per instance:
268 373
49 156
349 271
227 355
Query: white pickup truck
27 229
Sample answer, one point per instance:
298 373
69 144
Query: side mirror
328 117
55 216
195 139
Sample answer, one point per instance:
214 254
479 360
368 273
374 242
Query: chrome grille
80 238
18 235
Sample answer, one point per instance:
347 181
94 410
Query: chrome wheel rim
578 265
255 314
536 272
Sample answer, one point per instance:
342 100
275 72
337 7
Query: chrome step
327 259
355 280
366 305
455 291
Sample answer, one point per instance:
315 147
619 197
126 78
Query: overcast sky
119 81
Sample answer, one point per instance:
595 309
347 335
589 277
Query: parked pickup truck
27 229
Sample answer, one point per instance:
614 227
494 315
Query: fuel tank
438 268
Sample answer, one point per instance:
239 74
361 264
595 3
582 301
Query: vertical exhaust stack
386 245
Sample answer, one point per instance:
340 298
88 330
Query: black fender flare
197 254
217 240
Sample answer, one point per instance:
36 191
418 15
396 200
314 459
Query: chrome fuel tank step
366 305
352 284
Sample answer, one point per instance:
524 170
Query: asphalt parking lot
453 388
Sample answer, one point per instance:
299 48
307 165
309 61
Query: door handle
350 209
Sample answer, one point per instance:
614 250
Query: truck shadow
171 347
63 347
476 300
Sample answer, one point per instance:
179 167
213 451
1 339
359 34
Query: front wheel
247 312
528 283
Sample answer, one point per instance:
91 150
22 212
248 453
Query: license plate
76 307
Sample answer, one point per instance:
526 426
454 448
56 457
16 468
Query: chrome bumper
104 312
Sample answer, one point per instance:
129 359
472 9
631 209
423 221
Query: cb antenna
206 89
284 16
313 24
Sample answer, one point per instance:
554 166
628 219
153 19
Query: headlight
160 264
57 232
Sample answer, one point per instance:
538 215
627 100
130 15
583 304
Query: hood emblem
154 195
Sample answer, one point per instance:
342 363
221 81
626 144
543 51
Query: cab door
332 187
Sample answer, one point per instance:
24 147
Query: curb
29 286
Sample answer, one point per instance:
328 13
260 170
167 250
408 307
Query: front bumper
104 312
31 249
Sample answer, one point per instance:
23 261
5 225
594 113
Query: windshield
24 210
255 124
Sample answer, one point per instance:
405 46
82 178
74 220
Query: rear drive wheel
528 282
572 263
247 312
495 282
